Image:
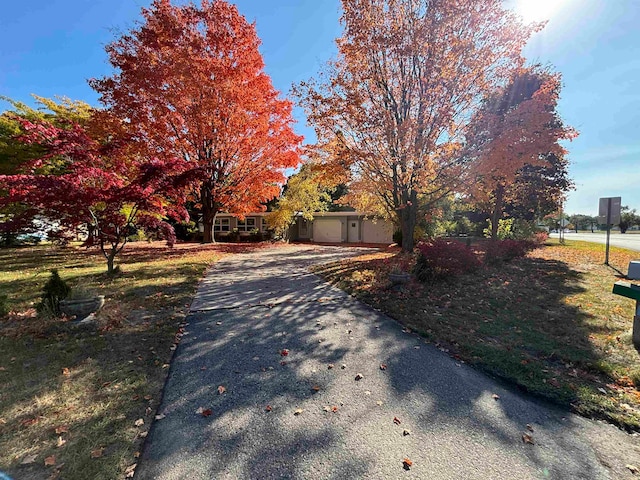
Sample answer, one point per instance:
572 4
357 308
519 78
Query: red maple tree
191 81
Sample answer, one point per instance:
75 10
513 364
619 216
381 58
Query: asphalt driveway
289 351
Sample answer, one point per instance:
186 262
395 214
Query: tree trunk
497 212
408 219
110 260
208 215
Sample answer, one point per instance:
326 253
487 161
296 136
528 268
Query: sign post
609 213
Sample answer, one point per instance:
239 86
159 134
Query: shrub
440 259
539 238
54 290
506 250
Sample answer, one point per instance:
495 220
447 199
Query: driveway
309 415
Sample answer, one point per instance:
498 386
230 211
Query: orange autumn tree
517 128
394 106
191 81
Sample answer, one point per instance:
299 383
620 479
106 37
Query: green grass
547 322
76 393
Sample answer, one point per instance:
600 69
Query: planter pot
399 278
81 307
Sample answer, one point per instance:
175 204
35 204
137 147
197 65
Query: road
630 241
305 396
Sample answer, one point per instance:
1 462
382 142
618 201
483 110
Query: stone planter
399 278
81 307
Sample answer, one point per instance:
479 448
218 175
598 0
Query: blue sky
52 47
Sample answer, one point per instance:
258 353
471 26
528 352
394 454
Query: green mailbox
631 291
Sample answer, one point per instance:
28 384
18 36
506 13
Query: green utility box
631 291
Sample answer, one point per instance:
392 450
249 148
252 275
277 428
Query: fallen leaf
221 390
406 464
147 397
97 453
495 396
268 408
383 366
367 392
330 366
526 438
62 429
165 365
379 403
143 434
66 372
205 412
218 323
160 416
60 442
633 469
359 376
315 388
298 411
130 471
136 455
406 432
283 363
139 422
327 408
50 461
334 409
284 352
602 390
396 420
529 427
343 366
28 459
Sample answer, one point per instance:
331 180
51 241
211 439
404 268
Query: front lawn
76 403
547 322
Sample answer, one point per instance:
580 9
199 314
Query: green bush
54 290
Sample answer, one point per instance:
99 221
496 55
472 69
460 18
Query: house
326 227
342 227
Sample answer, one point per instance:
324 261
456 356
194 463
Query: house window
221 225
247 225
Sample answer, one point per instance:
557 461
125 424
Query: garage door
378 232
329 231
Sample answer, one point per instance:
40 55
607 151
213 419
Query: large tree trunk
497 212
208 215
408 219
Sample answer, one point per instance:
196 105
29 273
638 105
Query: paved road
252 306
630 241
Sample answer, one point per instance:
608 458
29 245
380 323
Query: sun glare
537 10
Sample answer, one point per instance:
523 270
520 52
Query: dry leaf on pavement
221 390
495 396
383 366
633 469
298 411
359 376
406 463
396 420
268 408
526 438
284 352
160 416
315 388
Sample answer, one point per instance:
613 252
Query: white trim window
221 225
247 225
